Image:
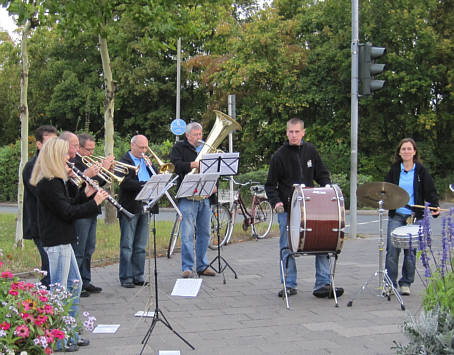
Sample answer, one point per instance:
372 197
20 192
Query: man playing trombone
134 232
85 244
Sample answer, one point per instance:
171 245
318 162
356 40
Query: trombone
104 173
164 168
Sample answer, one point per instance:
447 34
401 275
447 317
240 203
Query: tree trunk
109 106
19 240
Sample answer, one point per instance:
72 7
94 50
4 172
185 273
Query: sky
7 23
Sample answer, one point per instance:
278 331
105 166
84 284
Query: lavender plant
433 331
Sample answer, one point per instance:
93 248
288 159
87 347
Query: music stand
224 164
152 192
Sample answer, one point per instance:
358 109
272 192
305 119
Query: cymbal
392 195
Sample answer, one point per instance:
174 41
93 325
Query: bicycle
223 219
260 216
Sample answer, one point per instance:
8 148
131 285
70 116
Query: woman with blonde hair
56 215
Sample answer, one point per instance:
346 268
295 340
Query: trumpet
118 166
164 168
104 173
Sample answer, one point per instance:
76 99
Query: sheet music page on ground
106 328
187 287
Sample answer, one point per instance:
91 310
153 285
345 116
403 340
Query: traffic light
367 68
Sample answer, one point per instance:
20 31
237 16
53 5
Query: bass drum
316 220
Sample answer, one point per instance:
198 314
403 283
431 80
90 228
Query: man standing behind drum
297 162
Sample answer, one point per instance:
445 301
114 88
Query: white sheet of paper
169 352
144 314
106 328
187 287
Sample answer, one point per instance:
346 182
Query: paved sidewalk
245 316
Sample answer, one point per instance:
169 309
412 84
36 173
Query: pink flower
49 336
13 292
7 275
1 264
5 325
43 299
57 333
28 318
40 320
48 309
48 350
22 331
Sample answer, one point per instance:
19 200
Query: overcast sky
6 22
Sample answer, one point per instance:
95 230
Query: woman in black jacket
408 173
57 213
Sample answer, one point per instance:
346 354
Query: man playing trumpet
134 232
85 243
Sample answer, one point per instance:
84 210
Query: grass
24 260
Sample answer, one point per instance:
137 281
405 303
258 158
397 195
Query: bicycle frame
238 203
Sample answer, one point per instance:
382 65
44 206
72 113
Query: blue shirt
406 182
143 174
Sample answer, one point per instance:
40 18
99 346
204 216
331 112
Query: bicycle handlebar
250 182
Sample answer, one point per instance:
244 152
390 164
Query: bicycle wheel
263 219
174 236
224 226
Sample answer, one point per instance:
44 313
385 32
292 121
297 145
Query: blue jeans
64 271
322 270
44 262
392 255
133 243
195 213
84 247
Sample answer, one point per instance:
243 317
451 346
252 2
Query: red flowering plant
33 319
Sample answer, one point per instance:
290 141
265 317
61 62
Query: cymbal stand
158 316
385 285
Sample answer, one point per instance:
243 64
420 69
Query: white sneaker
405 290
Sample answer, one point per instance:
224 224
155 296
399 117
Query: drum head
295 221
403 231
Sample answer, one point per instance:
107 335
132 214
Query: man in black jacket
30 211
134 232
85 245
195 212
297 162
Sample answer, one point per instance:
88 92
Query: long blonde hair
51 161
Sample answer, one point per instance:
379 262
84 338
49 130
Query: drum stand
332 267
385 285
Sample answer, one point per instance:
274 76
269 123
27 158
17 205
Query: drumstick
430 208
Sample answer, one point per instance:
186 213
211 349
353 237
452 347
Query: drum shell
400 236
316 220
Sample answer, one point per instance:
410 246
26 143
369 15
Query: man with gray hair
195 212
134 232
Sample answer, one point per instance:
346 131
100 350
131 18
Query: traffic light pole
354 118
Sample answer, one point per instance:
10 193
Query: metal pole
231 113
177 113
354 118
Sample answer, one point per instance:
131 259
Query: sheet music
197 185
220 163
186 287
153 187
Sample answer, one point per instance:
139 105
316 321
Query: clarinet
93 184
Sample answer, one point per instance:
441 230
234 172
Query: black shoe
141 283
68 348
290 292
85 294
127 285
92 288
326 291
83 342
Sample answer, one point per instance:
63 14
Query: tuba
223 125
